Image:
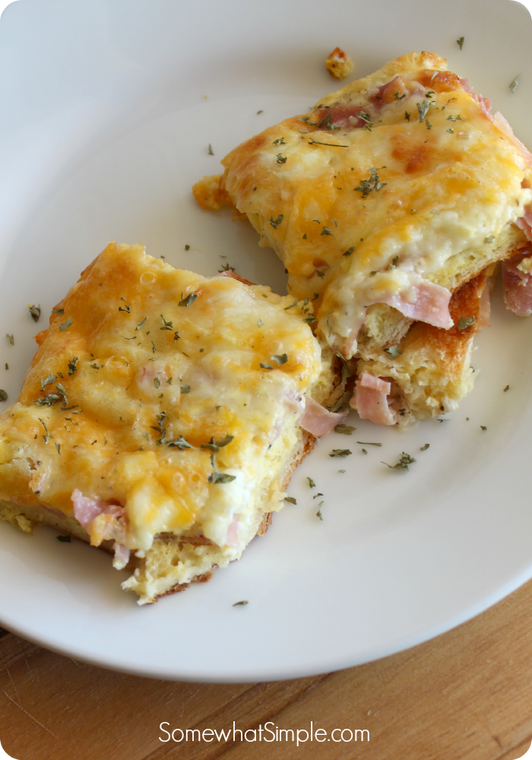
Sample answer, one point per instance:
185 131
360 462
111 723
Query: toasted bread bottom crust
432 370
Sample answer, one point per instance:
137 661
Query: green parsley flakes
166 325
186 301
341 453
465 322
403 462
219 477
312 141
367 186
344 429
35 312
423 109
393 352
53 398
48 381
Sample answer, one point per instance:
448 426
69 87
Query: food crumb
338 64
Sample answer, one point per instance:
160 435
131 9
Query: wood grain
466 695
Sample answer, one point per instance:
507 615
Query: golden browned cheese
399 182
172 397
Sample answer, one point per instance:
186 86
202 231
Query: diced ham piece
232 533
317 420
103 521
375 383
343 115
503 125
386 93
371 400
395 91
517 286
430 304
525 222
86 509
292 403
484 103
121 556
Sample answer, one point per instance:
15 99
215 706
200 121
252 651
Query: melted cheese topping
386 183
143 367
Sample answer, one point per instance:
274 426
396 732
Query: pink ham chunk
121 556
86 509
103 522
317 420
502 124
430 304
484 103
232 533
525 222
371 400
344 116
517 287
395 91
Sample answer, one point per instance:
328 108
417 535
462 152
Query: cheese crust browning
159 417
387 198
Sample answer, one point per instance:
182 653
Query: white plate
108 109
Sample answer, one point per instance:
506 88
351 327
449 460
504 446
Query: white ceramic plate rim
395 561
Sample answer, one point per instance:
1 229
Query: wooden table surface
466 695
